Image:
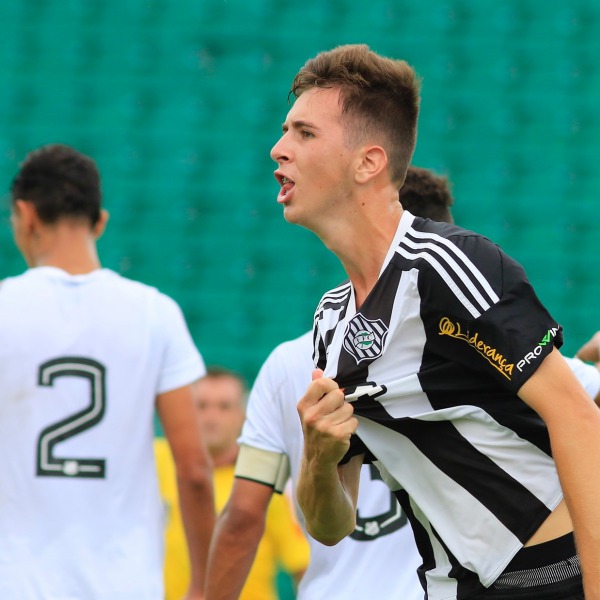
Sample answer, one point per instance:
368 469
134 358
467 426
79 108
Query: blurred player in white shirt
85 359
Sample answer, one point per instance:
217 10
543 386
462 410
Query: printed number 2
49 465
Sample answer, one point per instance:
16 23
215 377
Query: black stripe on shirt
520 511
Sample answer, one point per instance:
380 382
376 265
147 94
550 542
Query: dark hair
379 96
427 195
61 183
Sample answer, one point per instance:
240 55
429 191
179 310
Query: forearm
328 509
573 422
231 556
198 516
327 494
577 454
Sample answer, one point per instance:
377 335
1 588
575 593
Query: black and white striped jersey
432 363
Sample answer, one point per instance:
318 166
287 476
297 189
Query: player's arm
238 531
327 493
573 423
590 351
241 524
292 550
178 418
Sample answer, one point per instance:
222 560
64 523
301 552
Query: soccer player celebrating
86 357
379 558
437 354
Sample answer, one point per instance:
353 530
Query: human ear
100 226
27 214
372 161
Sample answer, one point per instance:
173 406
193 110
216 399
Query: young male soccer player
439 356
379 558
86 357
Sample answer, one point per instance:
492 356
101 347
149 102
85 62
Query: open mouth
286 185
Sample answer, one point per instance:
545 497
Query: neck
362 243
224 457
72 249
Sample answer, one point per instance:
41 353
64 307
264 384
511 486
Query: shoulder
288 364
426 238
448 249
332 308
26 287
151 294
336 297
132 286
453 263
293 351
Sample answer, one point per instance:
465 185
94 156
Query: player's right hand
327 420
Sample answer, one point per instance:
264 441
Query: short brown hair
427 195
378 95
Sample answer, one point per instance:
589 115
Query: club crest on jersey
364 338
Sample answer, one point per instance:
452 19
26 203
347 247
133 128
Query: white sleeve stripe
444 275
483 303
463 257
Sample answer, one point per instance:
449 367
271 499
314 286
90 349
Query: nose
279 153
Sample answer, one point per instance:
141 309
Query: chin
292 216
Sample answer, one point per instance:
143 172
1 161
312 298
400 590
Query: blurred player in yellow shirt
220 398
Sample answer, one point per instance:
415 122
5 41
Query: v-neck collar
406 220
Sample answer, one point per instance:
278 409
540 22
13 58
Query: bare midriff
556 525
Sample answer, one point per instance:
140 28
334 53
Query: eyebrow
299 124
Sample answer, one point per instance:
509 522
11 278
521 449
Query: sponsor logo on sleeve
491 354
364 338
533 355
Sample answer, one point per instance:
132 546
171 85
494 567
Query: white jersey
588 375
379 560
82 359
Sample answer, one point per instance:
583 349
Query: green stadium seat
181 102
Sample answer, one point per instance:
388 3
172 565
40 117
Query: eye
306 134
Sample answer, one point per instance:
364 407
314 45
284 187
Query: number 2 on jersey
49 465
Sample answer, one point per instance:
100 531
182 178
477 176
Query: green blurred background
180 103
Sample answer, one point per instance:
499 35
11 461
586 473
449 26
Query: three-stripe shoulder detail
336 298
462 277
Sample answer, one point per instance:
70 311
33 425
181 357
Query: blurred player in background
590 351
221 398
380 558
427 194
437 354
86 357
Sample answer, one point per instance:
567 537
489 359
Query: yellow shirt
283 545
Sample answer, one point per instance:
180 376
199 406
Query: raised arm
238 531
194 480
573 422
327 493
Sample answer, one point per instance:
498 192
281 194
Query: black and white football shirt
432 362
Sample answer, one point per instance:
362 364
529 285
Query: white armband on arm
270 468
